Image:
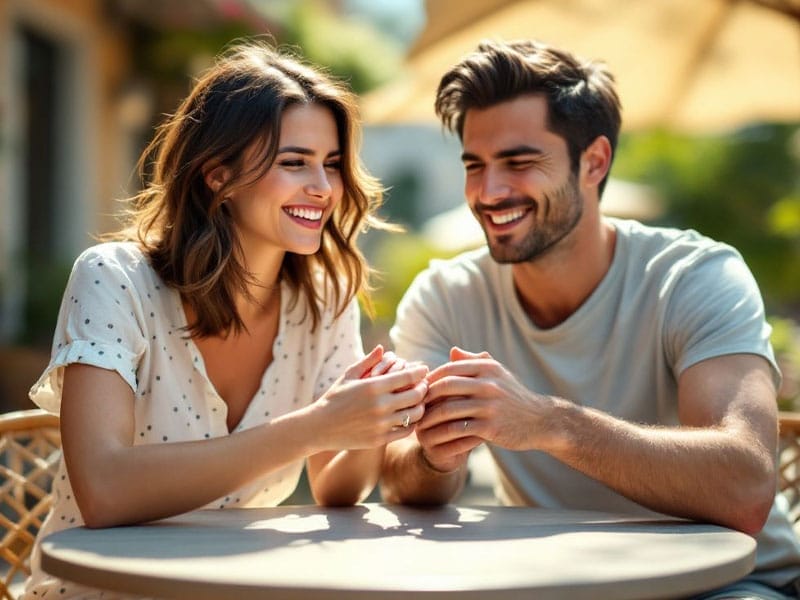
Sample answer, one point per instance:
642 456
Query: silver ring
406 420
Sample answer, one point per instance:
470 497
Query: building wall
90 157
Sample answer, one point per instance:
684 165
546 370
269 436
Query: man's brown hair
581 101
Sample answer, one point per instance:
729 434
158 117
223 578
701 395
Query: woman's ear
215 175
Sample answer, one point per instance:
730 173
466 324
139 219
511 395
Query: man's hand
474 398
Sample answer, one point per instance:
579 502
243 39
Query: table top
385 552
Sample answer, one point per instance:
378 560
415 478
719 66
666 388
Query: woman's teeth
310 214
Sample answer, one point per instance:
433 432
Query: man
607 365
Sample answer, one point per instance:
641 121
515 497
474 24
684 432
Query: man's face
519 183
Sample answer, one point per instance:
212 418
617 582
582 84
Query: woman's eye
334 165
292 163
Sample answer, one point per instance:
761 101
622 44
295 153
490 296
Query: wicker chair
789 463
30 447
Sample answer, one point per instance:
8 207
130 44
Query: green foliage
45 286
742 189
398 258
351 49
786 343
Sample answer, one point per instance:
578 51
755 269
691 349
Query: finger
472 367
449 451
383 365
407 399
408 416
399 380
359 368
453 411
457 353
399 365
455 386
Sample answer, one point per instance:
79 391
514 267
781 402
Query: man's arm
718 466
410 478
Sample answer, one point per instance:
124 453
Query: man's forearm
409 479
709 474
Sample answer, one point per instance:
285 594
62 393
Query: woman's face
288 206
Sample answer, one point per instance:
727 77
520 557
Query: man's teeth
310 214
506 217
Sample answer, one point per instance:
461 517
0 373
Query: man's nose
493 186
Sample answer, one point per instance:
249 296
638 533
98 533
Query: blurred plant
46 281
398 258
786 344
742 189
352 49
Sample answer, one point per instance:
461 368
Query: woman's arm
347 477
118 483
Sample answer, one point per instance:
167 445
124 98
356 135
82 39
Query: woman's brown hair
187 231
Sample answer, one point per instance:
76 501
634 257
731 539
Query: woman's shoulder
122 262
118 253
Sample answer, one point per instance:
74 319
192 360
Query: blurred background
711 111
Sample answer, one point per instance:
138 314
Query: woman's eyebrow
306 151
296 150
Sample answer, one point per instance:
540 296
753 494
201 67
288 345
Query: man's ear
596 161
215 175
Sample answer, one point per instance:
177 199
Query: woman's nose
319 185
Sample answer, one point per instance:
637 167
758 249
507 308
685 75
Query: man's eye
469 167
520 164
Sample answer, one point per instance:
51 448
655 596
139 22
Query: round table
380 551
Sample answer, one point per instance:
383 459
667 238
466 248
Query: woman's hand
375 402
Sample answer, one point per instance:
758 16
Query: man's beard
563 210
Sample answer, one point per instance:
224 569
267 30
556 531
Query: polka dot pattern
131 323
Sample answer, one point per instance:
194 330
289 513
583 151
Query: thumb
457 353
358 369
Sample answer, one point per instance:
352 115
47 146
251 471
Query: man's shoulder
668 244
462 267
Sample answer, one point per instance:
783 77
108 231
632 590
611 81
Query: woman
199 359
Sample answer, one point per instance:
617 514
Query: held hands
472 399
376 401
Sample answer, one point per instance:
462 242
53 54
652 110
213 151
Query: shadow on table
259 530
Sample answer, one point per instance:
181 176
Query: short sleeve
99 322
342 338
420 330
716 309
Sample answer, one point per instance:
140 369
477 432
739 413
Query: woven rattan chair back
30 448
789 463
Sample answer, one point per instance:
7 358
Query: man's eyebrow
469 157
520 150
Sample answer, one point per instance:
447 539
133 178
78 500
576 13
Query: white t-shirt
118 314
669 300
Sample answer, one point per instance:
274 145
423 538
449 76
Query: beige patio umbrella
695 65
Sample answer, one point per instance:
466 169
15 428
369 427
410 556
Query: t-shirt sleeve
716 309
342 338
420 331
98 324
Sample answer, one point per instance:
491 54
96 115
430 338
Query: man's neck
552 287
